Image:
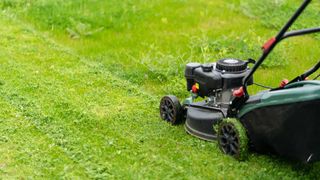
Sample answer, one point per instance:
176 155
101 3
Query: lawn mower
282 120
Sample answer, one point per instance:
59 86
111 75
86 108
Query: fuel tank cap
231 65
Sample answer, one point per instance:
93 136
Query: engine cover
222 75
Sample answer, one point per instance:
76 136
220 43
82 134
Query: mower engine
215 82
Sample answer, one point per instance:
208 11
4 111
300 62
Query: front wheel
171 110
232 139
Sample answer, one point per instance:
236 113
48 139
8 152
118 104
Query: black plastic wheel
232 138
231 65
170 109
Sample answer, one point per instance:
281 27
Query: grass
81 82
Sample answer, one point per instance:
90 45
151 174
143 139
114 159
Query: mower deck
201 119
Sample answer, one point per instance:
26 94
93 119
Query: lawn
81 82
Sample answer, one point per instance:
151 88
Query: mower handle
238 102
268 47
303 76
300 32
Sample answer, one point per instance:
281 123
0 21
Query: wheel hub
229 140
170 109
167 110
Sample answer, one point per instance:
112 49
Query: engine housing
215 79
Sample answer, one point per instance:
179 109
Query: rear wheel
170 109
232 139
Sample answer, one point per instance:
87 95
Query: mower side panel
286 122
303 91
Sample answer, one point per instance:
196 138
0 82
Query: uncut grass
149 43
151 50
274 13
89 114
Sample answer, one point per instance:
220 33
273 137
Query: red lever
195 88
284 83
238 92
268 44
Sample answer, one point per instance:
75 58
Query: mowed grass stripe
56 103
28 153
117 143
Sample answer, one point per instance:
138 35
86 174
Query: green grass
81 82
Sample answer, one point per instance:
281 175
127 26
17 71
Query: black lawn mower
283 120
